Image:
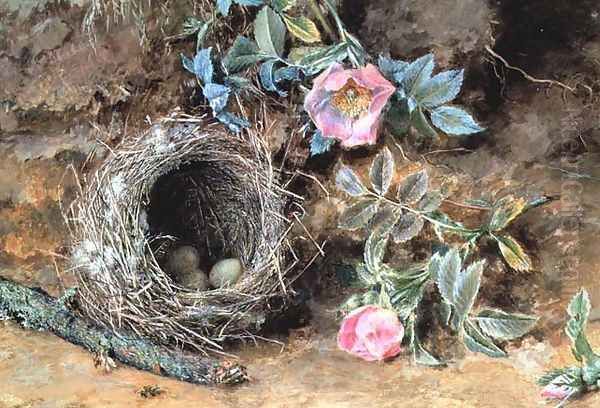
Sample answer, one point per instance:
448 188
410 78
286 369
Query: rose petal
364 131
315 101
336 80
380 98
333 124
371 78
320 80
381 333
553 391
347 334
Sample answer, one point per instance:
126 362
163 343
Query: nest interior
182 182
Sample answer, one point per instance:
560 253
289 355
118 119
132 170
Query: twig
526 75
458 149
34 309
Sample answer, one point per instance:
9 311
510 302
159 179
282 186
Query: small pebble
226 272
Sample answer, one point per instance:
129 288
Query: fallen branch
36 310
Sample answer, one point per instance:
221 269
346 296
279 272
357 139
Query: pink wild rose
556 391
346 104
371 333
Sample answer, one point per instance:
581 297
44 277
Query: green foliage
198 28
477 342
504 326
427 94
302 28
382 171
269 32
216 94
457 286
586 376
320 144
579 311
349 182
243 54
402 289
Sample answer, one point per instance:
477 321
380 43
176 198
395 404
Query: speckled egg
226 272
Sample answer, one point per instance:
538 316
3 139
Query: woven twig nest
181 182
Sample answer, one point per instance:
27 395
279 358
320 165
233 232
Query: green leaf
358 215
466 288
445 224
405 296
445 270
233 122
505 211
413 187
243 54
237 83
370 298
375 251
302 28
296 54
421 124
579 312
287 74
454 121
424 357
431 201
217 96
346 180
513 253
552 375
390 67
320 144
445 312
267 79
269 32
440 89
477 342
365 276
356 52
385 219
407 228
415 73
382 171
282 5
504 326
322 58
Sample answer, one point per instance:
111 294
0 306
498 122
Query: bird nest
182 182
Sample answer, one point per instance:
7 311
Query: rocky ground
59 96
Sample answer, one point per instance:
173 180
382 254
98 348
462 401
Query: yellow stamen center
352 99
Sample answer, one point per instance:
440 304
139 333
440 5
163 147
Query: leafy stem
424 216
